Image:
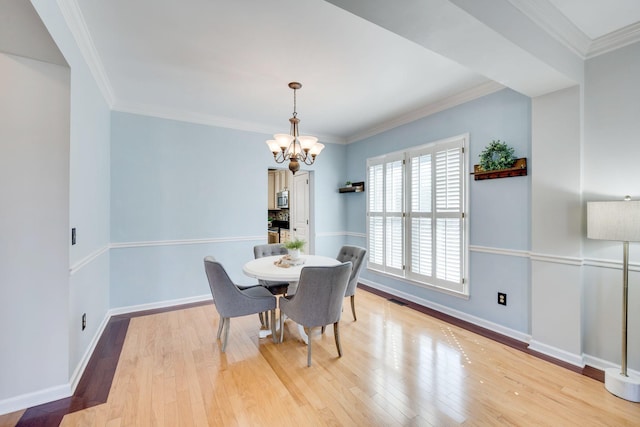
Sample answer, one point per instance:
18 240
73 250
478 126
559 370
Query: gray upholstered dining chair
271 249
230 301
356 255
317 301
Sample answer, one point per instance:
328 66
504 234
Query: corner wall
556 226
611 154
34 224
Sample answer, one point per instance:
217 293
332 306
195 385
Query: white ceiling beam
492 38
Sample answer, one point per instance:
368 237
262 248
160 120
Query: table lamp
620 221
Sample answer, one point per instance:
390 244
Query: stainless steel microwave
282 200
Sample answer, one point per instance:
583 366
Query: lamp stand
618 381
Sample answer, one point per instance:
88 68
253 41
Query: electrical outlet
73 236
84 320
502 298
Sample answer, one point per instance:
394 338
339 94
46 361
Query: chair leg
308 332
227 324
336 334
220 325
273 326
261 317
353 307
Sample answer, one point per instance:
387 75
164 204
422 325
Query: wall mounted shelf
519 168
356 187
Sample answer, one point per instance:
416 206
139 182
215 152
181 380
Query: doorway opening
291 219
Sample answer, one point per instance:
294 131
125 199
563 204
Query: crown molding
78 27
555 23
615 40
444 104
204 119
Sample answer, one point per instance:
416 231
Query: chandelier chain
295 108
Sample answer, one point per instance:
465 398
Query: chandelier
294 147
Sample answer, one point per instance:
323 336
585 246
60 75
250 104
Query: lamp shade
614 220
284 139
273 145
316 149
306 142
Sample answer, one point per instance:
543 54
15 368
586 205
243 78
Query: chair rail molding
87 260
557 259
500 251
204 241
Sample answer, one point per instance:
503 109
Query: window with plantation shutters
415 211
385 214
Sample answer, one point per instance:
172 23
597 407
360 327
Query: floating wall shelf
519 169
356 187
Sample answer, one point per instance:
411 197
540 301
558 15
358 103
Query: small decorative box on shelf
519 168
355 187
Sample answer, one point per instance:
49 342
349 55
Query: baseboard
59 392
77 373
557 353
604 364
39 397
159 304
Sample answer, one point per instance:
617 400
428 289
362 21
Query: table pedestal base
263 333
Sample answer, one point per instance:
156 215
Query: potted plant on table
294 247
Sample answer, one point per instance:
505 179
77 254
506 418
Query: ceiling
228 63
597 18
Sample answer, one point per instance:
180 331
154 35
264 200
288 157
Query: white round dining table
266 269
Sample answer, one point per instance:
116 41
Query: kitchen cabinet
285 236
282 180
273 237
271 205
279 180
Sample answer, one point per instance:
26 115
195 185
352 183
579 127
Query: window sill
430 287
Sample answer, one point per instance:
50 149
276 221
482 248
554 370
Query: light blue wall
173 183
499 211
329 212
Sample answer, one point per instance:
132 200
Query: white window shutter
423 239
375 212
448 240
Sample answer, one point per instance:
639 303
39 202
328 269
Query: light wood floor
400 367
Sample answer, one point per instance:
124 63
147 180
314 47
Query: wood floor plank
11 419
399 367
